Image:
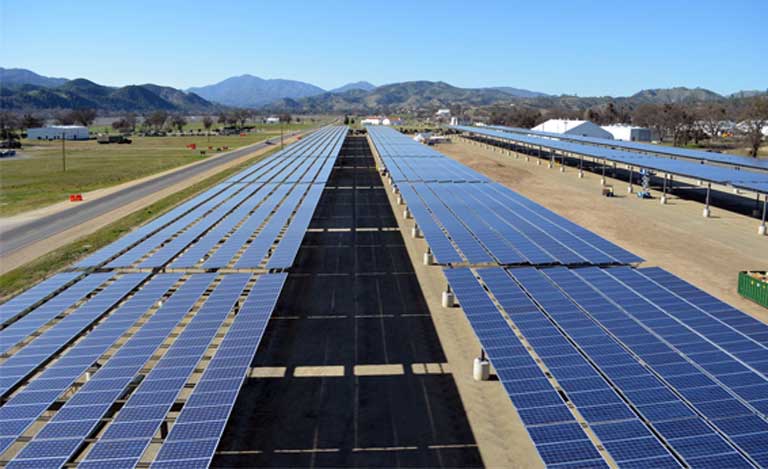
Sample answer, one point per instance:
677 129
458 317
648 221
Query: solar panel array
699 155
658 382
114 351
468 219
739 178
604 362
253 208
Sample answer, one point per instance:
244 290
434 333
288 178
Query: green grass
46 265
35 179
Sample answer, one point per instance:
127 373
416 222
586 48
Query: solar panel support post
761 230
581 166
602 179
428 257
663 199
631 175
706 211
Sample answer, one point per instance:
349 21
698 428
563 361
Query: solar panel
76 421
183 356
755 181
12 308
23 362
707 156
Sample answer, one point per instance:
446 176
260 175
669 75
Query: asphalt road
37 230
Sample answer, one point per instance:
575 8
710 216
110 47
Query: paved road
51 225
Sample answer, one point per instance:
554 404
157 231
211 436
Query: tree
755 117
64 118
516 117
712 119
29 121
207 123
285 118
126 123
9 123
178 121
84 117
157 119
222 118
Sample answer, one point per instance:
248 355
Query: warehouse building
55 132
573 127
629 133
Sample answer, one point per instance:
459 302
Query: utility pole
63 151
281 134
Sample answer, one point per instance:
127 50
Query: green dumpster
754 286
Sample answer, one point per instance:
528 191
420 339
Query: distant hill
358 85
20 76
675 95
251 91
519 92
401 97
82 93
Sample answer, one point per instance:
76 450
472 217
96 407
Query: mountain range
25 90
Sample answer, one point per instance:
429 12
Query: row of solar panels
705 156
662 374
166 305
235 224
74 325
742 179
479 223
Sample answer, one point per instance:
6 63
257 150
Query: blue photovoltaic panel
43 314
742 178
707 156
55 379
43 347
586 288
204 416
552 426
162 385
20 303
484 221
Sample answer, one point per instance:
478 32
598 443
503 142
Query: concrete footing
427 258
663 200
562 169
629 189
602 181
447 299
399 199
581 174
481 370
761 230
705 213
415 232
406 213
549 165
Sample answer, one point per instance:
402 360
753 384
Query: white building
629 133
573 127
272 120
443 113
55 132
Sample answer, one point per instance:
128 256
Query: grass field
35 178
197 124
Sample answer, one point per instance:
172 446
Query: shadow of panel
361 422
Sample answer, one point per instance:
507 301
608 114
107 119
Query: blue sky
583 47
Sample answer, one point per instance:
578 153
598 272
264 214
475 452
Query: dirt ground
707 252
